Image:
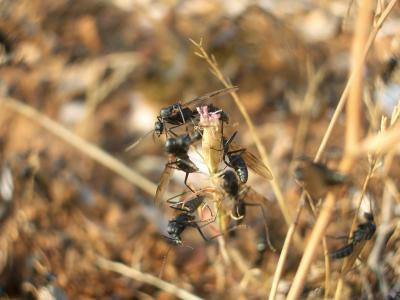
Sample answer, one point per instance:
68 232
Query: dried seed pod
212 147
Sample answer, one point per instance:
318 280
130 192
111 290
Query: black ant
363 233
230 184
178 224
178 148
179 114
239 159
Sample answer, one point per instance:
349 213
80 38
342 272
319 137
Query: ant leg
170 200
210 220
185 182
227 163
342 252
183 118
202 234
238 151
173 127
337 237
210 238
229 141
217 235
165 128
265 223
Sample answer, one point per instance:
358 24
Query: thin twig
261 149
315 79
80 144
375 260
145 278
285 249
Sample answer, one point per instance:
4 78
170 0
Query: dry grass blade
80 144
146 278
315 79
380 142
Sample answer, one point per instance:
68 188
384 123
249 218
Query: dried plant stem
375 260
339 285
327 268
339 108
384 142
261 149
145 278
312 245
346 90
315 80
352 135
80 144
353 108
285 249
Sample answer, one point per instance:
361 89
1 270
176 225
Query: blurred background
103 69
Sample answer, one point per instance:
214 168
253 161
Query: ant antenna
130 147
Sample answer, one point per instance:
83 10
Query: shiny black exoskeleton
180 113
364 232
183 163
231 185
176 114
223 115
177 225
235 160
158 127
189 206
178 147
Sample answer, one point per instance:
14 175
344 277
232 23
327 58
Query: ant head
166 111
230 182
302 164
228 177
369 217
174 231
158 127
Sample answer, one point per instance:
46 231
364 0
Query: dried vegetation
81 80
